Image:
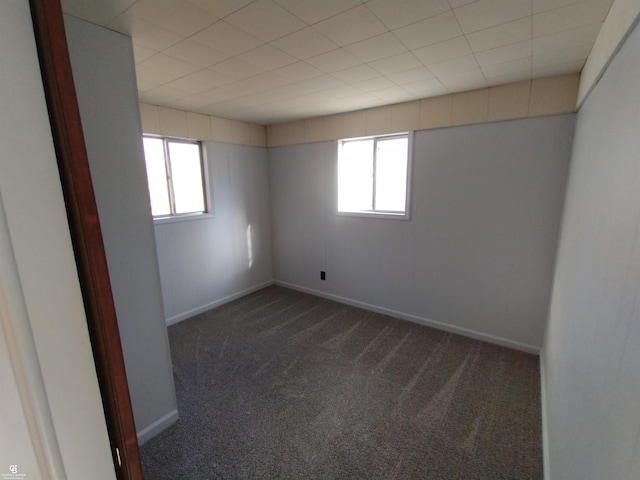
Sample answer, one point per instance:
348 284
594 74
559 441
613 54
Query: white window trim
183 217
208 200
379 213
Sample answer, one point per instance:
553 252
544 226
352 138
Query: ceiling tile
329 108
567 55
205 98
508 53
461 64
511 32
394 95
411 76
356 74
334 61
397 63
151 75
258 83
304 102
196 53
325 82
556 69
427 32
220 8
165 63
566 39
439 52
398 14
462 81
141 53
210 77
144 33
343 91
305 44
374 84
572 16
375 48
298 71
267 57
226 38
459 3
271 117
161 95
144 85
230 109
489 13
359 102
426 88
236 69
176 16
544 5
351 26
313 11
289 91
254 100
266 20
188 86
508 72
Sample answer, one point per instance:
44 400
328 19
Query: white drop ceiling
270 61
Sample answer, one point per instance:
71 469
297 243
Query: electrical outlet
323 276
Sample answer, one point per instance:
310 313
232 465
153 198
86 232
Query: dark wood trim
86 235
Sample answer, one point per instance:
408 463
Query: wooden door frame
86 235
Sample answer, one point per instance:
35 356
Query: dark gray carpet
280 384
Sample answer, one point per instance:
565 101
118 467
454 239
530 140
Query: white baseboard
545 422
216 303
158 426
416 319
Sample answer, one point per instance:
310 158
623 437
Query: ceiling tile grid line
251 59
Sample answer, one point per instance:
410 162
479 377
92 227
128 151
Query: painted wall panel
592 346
478 251
207 261
104 75
487 203
300 209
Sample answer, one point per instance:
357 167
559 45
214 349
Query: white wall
591 355
620 20
208 261
477 255
104 75
41 304
17 447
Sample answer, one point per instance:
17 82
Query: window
373 176
175 177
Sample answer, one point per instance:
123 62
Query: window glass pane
156 176
186 175
355 176
391 175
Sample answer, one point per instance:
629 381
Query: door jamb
86 235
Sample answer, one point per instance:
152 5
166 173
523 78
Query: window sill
182 218
367 214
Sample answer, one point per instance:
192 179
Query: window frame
392 215
204 172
